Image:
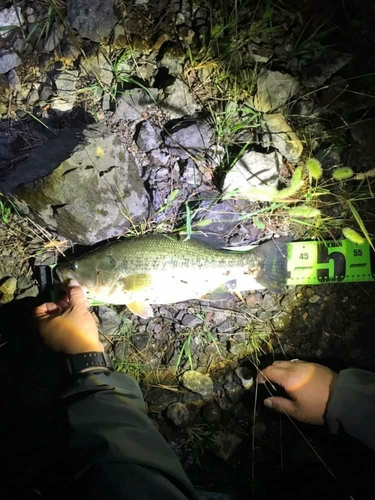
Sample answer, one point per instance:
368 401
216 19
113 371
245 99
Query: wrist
84 347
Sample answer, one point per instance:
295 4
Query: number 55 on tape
342 261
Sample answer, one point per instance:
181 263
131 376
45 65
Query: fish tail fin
272 264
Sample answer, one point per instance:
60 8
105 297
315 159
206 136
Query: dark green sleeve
115 449
352 406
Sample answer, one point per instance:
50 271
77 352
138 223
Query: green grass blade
360 223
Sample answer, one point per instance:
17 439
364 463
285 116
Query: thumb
46 310
281 405
75 294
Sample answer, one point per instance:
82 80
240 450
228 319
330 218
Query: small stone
198 382
148 137
33 97
269 303
282 321
121 350
244 375
237 348
254 299
219 218
279 134
14 80
211 413
224 444
179 414
178 101
188 138
159 399
158 328
191 321
191 175
32 291
227 327
252 170
54 37
8 61
173 59
65 82
93 19
274 90
234 392
7 290
140 341
314 299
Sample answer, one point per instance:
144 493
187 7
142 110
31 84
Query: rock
173 59
54 37
191 321
121 350
224 444
198 382
159 399
93 19
98 66
8 61
269 303
191 174
32 291
237 348
65 82
226 327
189 138
131 105
260 54
279 134
7 290
178 413
274 89
109 321
216 218
234 392
318 73
245 377
140 341
67 185
178 101
11 17
211 413
253 170
14 80
148 137
314 299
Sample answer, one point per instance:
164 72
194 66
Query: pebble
211 413
224 444
198 382
7 290
245 377
190 321
178 413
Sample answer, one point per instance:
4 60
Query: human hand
309 386
68 326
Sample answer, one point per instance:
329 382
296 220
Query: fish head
79 270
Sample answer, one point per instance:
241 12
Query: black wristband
87 362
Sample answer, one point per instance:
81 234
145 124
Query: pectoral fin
136 282
141 309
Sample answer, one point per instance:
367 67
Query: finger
63 304
76 295
276 373
281 405
46 309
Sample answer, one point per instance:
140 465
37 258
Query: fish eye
73 266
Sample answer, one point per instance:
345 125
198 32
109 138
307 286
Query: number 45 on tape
314 263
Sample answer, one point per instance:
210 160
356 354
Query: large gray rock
11 18
274 89
189 138
93 19
83 184
178 101
253 170
132 104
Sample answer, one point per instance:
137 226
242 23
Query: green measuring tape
313 263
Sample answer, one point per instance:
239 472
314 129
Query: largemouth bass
164 269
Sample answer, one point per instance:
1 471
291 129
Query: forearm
352 406
111 432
